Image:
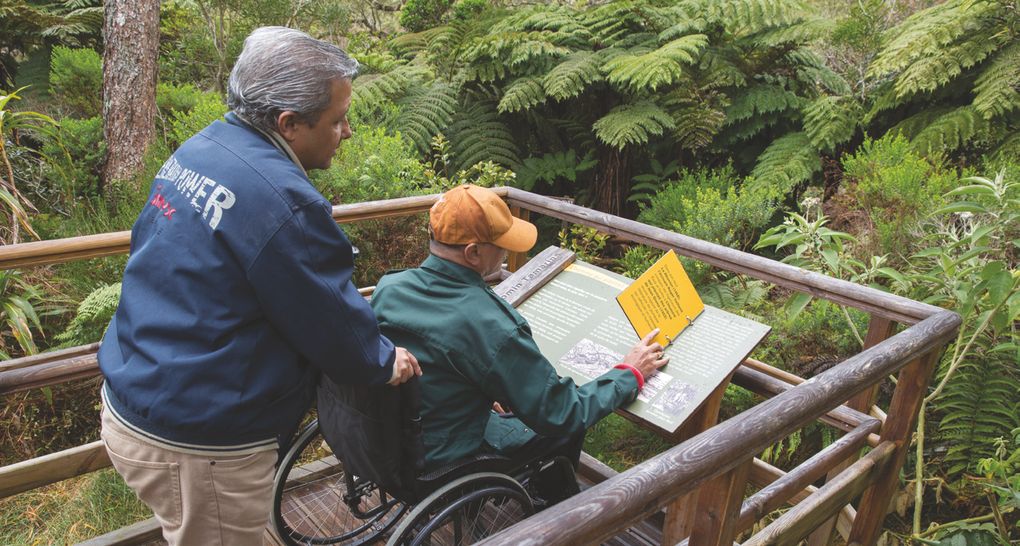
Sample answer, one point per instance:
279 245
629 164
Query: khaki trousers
198 499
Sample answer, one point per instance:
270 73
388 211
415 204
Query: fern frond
978 403
758 100
515 48
938 68
698 119
747 17
94 314
812 70
803 32
662 66
427 113
788 161
371 90
997 89
1008 149
477 134
574 72
739 132
633 124
928 32
831 121
611 22
950 131
524 94
560 20
718 71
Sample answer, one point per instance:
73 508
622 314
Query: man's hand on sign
647 355
404 366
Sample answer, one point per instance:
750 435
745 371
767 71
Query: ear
472 255
287 125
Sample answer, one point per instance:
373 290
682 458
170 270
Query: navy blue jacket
236 295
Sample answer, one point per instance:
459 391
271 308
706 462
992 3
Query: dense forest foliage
876 141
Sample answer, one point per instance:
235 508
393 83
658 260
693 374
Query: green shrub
184 124
712 206
75 162
76 81
372 165
895 187
419 15
181 98
466 9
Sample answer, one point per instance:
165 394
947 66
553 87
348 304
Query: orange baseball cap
472 214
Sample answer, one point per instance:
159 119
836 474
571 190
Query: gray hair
283 69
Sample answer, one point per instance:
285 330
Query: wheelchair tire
308 499
464 511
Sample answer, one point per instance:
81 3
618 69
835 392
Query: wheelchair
355 476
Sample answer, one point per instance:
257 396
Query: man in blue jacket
236 297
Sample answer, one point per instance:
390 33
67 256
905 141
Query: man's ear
287 125
472 255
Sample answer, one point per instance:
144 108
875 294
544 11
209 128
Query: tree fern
658 67
698 118
928 32
978 405
477 134
371 90
524 94
426 113
831 121
997 89
941 67
573 74
761 99
787 162
746 17
633 124
950 131
94 314
812 71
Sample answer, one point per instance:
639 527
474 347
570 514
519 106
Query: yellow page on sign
663 297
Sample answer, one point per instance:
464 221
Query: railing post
879 330
719 502
516 259
911 388
679 520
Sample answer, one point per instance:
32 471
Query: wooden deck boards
315 494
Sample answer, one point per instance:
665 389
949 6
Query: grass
70 511
622 444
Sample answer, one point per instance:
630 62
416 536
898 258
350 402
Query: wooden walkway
315 494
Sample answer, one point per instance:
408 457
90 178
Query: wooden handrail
637 493
110 244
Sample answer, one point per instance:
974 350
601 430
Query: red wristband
637 374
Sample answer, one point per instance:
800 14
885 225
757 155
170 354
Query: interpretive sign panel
582 330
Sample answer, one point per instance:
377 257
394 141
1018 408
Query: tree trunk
612 181
131 36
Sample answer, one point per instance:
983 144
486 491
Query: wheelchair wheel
465 511
316 502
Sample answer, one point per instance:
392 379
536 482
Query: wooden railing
702 480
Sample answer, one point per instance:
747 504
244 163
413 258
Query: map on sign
581 329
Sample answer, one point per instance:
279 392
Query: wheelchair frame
466 501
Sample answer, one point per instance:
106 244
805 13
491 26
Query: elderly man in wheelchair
489 433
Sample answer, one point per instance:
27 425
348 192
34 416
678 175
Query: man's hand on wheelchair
404 366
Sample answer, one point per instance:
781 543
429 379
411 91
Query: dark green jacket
474 348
